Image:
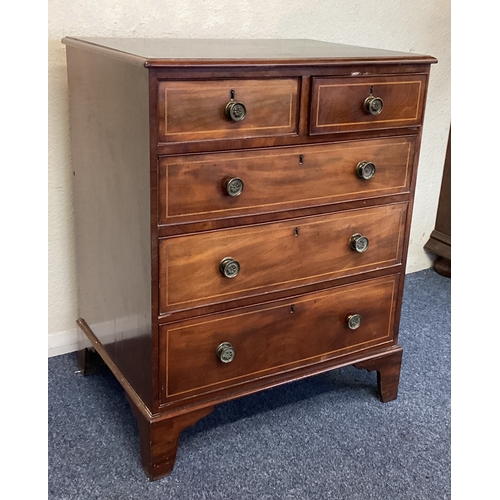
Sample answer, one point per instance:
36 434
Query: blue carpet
326 437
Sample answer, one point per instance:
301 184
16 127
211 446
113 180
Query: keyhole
292 309
296 232
232 94
301 159
371 90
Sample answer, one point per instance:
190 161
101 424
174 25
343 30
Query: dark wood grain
337 103
186 228
160 437
278 338
388 368
194 110
192 187
161 52
273 257
110 158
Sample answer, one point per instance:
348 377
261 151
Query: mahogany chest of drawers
242 216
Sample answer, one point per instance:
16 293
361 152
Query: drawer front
277 337
196 110
338 104
199 187
276 256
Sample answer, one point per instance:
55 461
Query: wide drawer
210 186
276 337
194 269
196 110
340 104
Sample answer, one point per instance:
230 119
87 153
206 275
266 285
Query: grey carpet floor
326 437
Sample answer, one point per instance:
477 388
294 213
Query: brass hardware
353 321
233 186
229 267
365 170
234 110
225 352
373 105
358 243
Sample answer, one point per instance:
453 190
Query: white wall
421 27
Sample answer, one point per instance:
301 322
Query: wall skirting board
63 342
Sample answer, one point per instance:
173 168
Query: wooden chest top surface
161 51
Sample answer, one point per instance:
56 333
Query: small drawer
203 110
206 355
366 103
215 186
220 266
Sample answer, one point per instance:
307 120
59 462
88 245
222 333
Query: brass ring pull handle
234 110
358 243
225 352
365 170
233 186
373 105
229 268
353 321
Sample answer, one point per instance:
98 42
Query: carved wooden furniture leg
388 367
159 439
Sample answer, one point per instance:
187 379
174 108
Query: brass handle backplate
229 268
373 105
233 186
358 242
225 352
353 321
365 170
